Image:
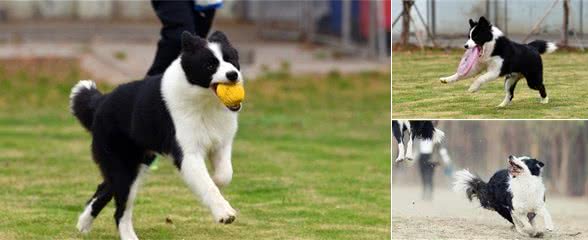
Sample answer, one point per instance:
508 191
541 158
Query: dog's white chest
527 192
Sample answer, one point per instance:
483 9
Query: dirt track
451 216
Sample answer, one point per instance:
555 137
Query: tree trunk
404 36
566 21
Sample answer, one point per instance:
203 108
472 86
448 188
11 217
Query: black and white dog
503 57
516 193
416 129
176 114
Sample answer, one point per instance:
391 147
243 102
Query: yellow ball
230 95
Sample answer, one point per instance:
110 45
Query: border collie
516 193
416 129
503 57
176 114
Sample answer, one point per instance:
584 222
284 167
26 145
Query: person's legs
176 17
426 168
203 21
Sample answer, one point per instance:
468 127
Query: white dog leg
547 219
400 152
522 224
125 225
409 154
452 78
508 83
221 162
492 73
195 174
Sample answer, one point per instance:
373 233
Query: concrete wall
87 10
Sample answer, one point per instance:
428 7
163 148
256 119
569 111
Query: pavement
121 52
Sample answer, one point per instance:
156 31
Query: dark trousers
177 17
427 170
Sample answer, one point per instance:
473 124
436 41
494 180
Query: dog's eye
210 67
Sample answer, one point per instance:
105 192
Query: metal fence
350 25
518 19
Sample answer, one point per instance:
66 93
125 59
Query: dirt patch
450 215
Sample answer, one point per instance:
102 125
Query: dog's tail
83 100
472 186
543 46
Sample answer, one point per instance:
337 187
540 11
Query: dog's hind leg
535 82
126 185
510 83
543 93
102 196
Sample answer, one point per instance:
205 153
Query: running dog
516 193
176 114
502 57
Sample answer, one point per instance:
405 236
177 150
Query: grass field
418 93
311 160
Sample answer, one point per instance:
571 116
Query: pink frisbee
468 60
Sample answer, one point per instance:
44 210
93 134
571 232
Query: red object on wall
364 16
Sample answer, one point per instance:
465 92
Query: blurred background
115 40
483 148
444 23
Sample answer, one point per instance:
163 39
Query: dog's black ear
541 164
220 37
483 22
191 42
472 23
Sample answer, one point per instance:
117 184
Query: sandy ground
452 216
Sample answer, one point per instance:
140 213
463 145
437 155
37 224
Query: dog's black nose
232 76
465 46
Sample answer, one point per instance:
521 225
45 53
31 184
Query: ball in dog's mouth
231 95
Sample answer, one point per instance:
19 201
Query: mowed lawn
311 161
418 93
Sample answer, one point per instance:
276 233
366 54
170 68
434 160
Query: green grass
418 93
311 160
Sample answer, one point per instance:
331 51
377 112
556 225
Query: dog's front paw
545 100
503 104
224 213
474 88
447 79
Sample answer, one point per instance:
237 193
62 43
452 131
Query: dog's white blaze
85 220
125 225
224 67
203 125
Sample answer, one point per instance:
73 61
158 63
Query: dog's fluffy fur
416 129
176 114
503 57
516 193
